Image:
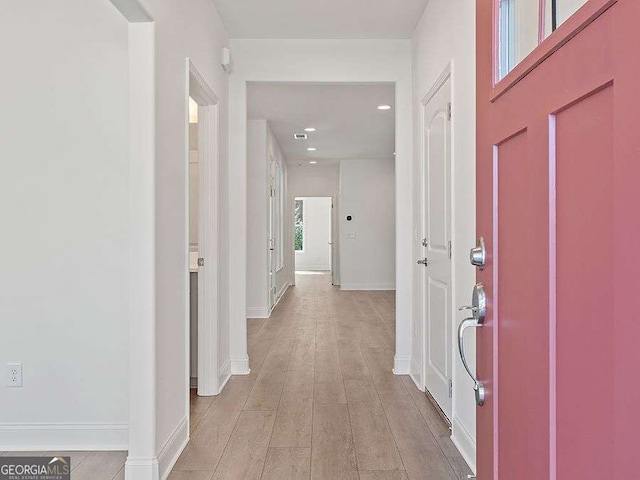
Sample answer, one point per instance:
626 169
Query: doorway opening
321 188
194 234
203 374
313 235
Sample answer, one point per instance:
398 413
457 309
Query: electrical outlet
14 374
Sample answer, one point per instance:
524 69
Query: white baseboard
224 374
223 382
401 365
281 293
258 312
416 382
240 366
64 436
306 268
358 287
172 449
141 469
416 372
464 442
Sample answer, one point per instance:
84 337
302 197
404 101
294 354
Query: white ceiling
320 18
348 123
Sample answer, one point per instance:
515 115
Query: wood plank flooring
321 401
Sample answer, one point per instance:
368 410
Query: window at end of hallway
299 225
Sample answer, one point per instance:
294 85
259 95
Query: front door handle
424 262
478 387
479 311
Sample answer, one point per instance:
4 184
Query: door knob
424 262
478 254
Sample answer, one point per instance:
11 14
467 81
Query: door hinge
450 249
449 114
201 262
450 388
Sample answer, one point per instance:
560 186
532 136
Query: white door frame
142 461
325 62
335 256
208 227
446 75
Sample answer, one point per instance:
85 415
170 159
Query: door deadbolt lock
478 254
424 262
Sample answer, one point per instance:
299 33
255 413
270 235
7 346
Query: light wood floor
321 401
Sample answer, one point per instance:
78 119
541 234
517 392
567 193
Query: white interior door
436 222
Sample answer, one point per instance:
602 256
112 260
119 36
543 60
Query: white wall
341 61
367 242
261 141
186 29
316 253
66 276
64 203
446 34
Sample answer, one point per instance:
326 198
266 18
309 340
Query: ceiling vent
300 136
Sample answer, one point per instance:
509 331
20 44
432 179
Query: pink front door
558 203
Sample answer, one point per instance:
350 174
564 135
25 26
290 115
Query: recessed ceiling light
311 149
310 129
384 107
313 162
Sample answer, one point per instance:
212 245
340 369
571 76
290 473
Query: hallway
321 401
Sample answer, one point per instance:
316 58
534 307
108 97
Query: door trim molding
446 74
142 461
443 78
197 88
